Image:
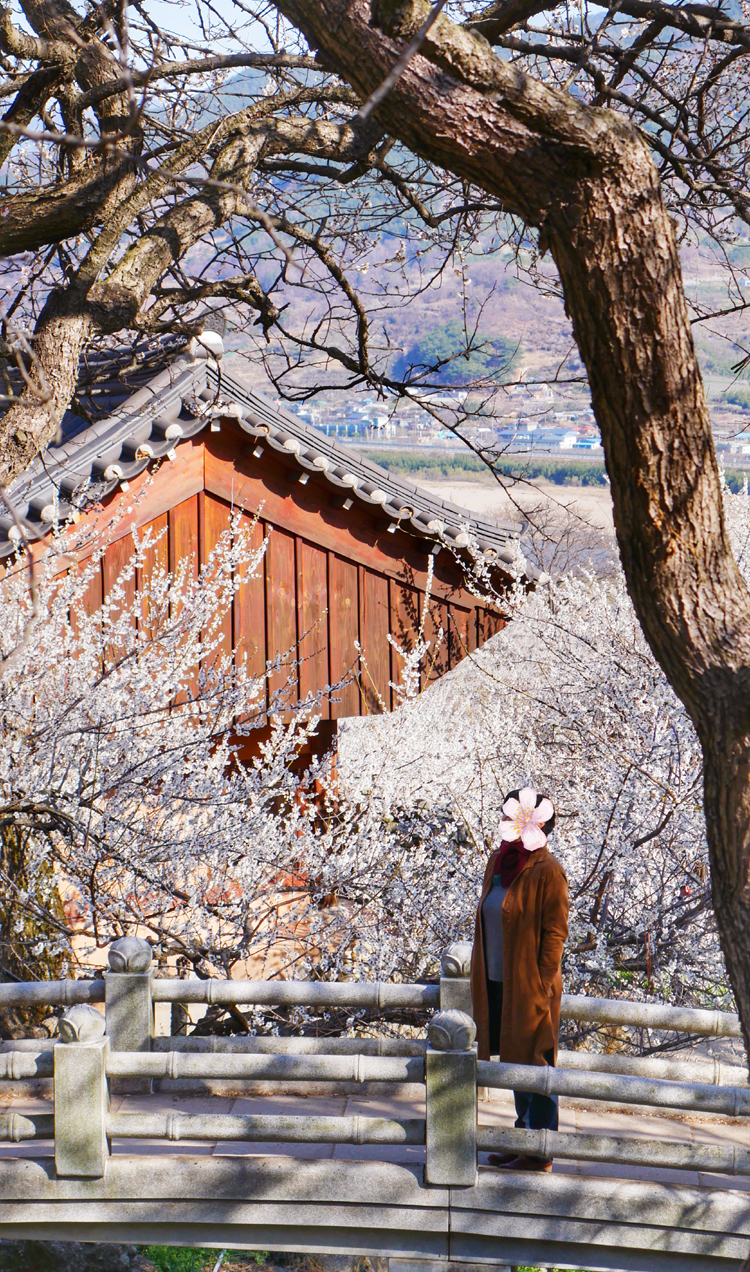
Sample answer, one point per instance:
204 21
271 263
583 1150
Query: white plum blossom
569 700
121 774
123 781
132 800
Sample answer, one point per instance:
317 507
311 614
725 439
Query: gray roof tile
179 401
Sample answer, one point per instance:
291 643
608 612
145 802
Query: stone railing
97 1051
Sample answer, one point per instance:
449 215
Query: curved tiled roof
191 394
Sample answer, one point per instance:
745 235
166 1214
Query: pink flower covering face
524 819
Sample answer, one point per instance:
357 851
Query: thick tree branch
29 221
19 44
35 220
53 20
700 21
29 100
246 288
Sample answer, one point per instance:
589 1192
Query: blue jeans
533 1112
536 1112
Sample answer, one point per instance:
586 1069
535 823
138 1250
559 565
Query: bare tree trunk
32 423
585 178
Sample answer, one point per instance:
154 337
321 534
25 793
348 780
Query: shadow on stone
71 1256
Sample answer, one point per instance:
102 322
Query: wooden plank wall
311 602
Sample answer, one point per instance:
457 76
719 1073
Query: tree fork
586 180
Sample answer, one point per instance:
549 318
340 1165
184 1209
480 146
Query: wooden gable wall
331 577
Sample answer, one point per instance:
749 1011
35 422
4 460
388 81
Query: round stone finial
130 954
452 1030
82 1023
456 959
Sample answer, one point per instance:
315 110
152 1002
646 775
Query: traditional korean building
180 446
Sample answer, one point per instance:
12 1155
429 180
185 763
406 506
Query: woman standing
516 983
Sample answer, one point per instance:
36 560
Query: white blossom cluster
124 791
567 698
122 773
118 769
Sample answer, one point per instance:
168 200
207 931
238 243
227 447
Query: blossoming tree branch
127 805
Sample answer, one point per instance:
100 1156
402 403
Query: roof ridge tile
94 452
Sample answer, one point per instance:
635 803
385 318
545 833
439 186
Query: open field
593 503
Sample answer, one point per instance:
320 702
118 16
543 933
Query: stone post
81 1095
129 1007
455 986
451 1078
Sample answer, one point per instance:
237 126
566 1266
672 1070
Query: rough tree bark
585 178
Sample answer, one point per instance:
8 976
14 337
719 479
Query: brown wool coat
535 928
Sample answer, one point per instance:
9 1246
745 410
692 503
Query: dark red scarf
510 863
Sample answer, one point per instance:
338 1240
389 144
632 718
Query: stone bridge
366 1145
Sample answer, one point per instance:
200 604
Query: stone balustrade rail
357 995
117 1049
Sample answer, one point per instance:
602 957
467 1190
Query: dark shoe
501 1159
526 1163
